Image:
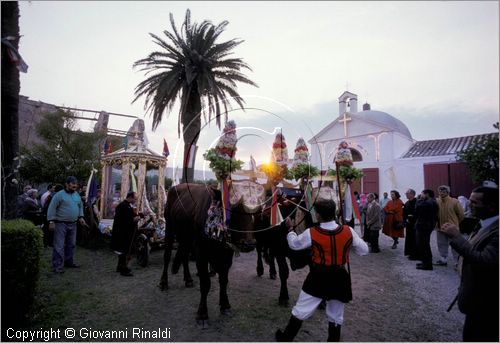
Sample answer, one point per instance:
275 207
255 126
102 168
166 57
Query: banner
351 209
166 152
189 158
310 202
91 188
276 216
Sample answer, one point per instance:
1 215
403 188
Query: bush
22 246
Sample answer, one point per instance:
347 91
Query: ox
186 217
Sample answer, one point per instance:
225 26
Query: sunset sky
433 65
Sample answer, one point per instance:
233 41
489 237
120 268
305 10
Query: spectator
363 204
426 212
48 235
64 211
328 278
31 209
50 190
383 202
409 221
478 292
465 203
20 200
373 223
450 211
393 221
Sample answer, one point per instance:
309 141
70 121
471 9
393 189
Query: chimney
366 107
353 104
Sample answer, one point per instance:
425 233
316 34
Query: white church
382 146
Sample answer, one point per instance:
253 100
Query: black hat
71 179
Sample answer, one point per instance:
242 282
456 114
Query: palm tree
192 68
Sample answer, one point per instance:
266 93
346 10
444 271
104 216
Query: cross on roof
344 121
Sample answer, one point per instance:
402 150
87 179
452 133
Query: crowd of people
469 227
414 220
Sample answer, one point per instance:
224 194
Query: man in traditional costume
328 278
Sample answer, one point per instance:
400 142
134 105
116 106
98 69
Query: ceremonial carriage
137 168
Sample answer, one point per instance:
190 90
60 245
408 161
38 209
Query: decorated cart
137 168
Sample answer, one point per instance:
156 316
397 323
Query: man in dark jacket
426 212
478 264
124 230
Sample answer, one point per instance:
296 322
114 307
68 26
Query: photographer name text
47 335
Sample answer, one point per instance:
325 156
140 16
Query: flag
14 55
110 148
351 209
189 158
226 205
106 146
166 152
276 217
253 164
91 188
310 202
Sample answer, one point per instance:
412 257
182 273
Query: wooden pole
340 194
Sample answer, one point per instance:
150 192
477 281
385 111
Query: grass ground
392 301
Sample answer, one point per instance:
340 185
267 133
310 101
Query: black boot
333 332
290 332
122 263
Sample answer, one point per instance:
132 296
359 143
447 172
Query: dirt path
392 301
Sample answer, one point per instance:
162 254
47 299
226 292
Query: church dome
386 120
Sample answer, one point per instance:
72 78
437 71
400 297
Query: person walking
426 213
393 221
373 223
409 222
450 211
328 278
124 231
478 292
64 211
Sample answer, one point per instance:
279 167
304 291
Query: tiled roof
440 147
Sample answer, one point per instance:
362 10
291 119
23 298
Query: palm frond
191 63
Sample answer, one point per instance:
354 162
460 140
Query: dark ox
186 215
272 243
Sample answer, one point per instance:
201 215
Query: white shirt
303 241
487 222
44 198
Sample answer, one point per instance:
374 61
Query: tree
192 68
10 109
65 151
482 158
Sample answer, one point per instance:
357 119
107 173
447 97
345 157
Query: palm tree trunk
10 109
191 122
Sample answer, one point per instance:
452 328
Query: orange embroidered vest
331 247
